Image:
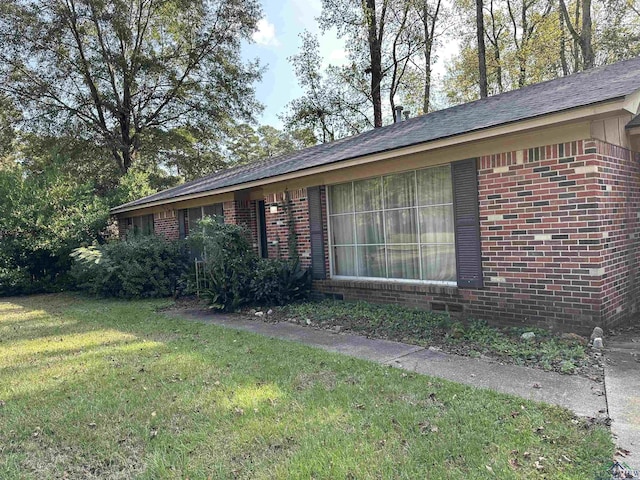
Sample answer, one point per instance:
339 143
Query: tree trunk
563 46
427 79
375 52
588 56
482 61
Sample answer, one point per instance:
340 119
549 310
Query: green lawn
111 389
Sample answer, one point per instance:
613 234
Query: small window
142 225
189 217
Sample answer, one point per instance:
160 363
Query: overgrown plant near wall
235 276
138 267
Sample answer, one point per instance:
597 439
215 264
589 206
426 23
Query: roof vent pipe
398 110
406 114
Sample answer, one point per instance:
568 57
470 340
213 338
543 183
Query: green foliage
129 73
432 328
230 262
141 266
42 219
278 282
235 276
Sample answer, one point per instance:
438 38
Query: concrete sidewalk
622 380
583 396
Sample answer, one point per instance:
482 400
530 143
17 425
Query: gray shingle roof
635 122
585 88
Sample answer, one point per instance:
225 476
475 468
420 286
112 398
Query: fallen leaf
489 468
539 466
153 414
514 463
238 411
537 385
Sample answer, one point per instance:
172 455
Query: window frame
131 225
185 216
416 207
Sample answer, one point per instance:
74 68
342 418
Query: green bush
43 218
138 267
235 276
229 264
278 282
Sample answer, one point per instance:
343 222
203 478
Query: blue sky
277 39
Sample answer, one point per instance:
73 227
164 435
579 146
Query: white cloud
266 34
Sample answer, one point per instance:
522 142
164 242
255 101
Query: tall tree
482 59
334 103
430 15
122 72
354 20
582 35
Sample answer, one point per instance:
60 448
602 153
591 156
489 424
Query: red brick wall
557 242
619 182
166 224
242 212
277 225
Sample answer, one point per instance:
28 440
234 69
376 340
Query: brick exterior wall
559 235
277 224
242 212
166 224
560 240
619 171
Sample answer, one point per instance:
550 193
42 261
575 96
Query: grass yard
112 389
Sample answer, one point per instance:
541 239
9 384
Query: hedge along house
522 208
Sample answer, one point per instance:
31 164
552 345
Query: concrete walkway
622 380
583 396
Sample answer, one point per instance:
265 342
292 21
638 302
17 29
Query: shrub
138 267
235 276
229 265
277 282
42 219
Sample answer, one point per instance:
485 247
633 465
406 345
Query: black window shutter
467 222
318 268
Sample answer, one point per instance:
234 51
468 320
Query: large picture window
398 226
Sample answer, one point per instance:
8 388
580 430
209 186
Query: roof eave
573 114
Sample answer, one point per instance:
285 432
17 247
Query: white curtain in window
368 195
344 261
400 190
396 226
341 198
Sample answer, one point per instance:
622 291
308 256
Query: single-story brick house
522 208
